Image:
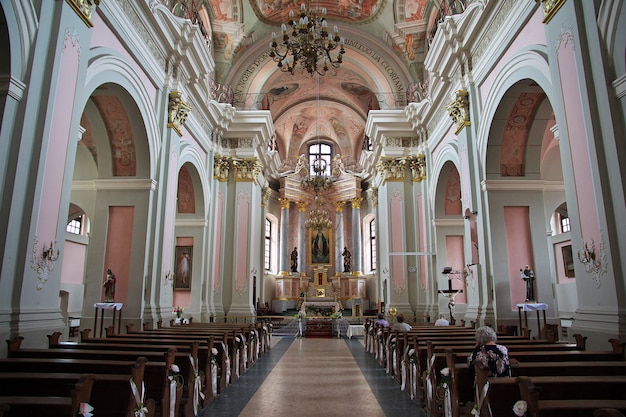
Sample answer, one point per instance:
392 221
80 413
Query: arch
107 66
21 20
529 63
192 156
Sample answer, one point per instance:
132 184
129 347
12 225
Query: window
565 226
321 151
75 226
268 245
372 245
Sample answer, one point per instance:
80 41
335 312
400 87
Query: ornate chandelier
319 181
308 44
318 220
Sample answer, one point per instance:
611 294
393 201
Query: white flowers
85 410
520 408
214 351
174 368
445 371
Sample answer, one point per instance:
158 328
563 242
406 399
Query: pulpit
103 307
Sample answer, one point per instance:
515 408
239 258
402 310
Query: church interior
205 161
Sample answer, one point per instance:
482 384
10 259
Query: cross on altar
450 293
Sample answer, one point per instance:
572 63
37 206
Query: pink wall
519 250
578 141
57 146
118 249
217 260
73 269
456 259
243 237
421 227
397 243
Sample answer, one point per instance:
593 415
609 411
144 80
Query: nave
311 377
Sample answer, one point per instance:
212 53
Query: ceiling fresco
386 44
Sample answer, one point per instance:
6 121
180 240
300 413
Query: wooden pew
206 355
224 346
110 393
153 372
566 400
54 395
582 385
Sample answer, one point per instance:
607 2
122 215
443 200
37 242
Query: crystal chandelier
319 181
318 220
308 43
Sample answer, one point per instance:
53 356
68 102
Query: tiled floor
314 378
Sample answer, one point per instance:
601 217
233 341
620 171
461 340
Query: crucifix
450 293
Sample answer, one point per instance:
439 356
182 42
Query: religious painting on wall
182 279
321 246
568 261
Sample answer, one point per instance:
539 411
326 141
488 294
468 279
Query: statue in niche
528 276
294 260
347 260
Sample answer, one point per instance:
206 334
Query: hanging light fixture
319 219
308 44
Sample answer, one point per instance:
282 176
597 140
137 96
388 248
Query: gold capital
284 203
339 205
301 206
459 110
356 202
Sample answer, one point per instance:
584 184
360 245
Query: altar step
322 328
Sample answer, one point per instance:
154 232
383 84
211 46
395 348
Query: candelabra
308 43
43 264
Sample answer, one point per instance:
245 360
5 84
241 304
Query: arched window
369 242
267 259
322 151
270 244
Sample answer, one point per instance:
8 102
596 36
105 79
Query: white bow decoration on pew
197 386
141 409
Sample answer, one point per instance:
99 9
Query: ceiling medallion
308 44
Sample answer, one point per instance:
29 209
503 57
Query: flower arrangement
175 375
336 315
85 410
178 310
445 378
520 408
301 315
213 355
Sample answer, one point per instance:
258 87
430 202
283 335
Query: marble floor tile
314 377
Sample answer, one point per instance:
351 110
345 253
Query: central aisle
314 377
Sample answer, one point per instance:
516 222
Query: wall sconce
49 253
43 264
168 277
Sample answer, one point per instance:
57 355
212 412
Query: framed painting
568 261
320 250
182 277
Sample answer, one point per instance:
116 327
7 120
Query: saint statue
294 260
109 287
528 276
347 259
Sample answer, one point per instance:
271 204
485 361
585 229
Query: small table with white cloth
107 306
526 307
355 330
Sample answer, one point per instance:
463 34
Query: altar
320 306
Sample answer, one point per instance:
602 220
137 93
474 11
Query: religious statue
294 260
109 287
347 259
528 276
301 166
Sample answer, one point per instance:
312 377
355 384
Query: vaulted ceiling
386 42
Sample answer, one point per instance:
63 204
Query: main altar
320 293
